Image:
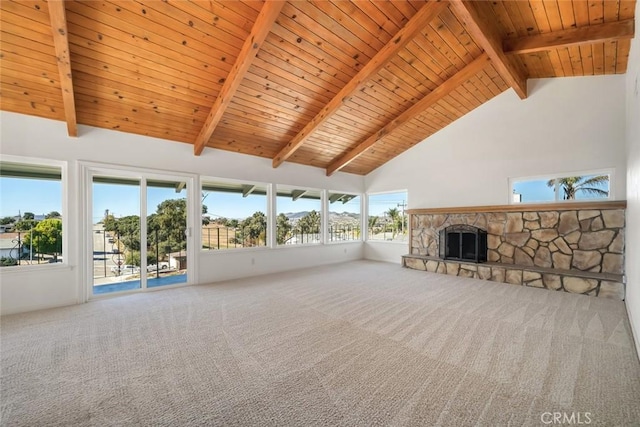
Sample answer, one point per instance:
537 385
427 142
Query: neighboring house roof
7 244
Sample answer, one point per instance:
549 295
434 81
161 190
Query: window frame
606 171
368 212
268 196
64 207
328 209
86 171
321 211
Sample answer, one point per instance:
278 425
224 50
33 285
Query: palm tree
394 214
309 225
571 185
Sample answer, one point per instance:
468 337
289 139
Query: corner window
344 217
387 219
31 214
234 215
576 187
299 216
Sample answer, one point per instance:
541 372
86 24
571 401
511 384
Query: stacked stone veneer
579 250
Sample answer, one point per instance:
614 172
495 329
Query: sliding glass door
166 233
139 230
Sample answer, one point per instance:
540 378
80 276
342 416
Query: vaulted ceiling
333 84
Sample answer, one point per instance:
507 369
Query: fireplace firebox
464 243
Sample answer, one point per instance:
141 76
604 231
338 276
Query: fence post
104 250
19 247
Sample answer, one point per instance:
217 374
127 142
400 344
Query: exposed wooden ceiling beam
434 96
478 23
57 15
261 28
417 23
617 30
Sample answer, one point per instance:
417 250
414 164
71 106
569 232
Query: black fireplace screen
463 242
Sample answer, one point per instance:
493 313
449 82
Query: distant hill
343 218
296 215
332 215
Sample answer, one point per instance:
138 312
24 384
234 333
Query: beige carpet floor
354 344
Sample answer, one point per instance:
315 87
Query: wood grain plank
29 58
567 15
31 94
408 32
24 106
103 62
95 118
479 24
146 118
259 32
161 23
36 12
622 56
27 28
596 16
612 31
138 100
141 47
547 64
408 114
57 14
305 74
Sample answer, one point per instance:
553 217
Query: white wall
565 125
633 186
35 288
385 251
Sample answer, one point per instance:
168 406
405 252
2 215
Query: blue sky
534 191
19 195
381 203
41 197
539 191
123 200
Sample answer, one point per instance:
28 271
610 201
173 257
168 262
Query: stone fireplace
575 247
464 243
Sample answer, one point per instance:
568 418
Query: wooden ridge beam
431 98
618 30
57 15
479 25
261 28
415 25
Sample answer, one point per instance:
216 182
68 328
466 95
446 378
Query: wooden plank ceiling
333 84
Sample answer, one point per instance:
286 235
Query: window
387 220
139 225
31 213
344 217
299 216
582 186
234 215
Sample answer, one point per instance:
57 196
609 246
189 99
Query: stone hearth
572 247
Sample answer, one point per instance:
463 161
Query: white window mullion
271 216
143 233
324 217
